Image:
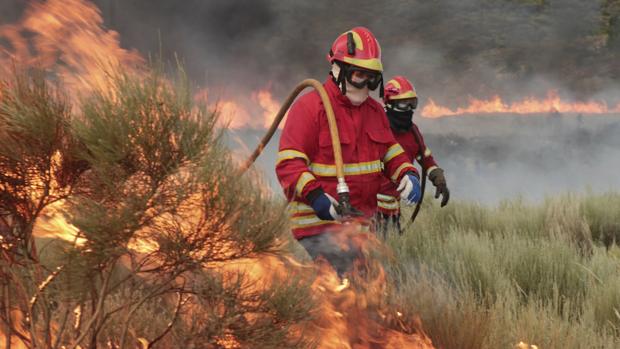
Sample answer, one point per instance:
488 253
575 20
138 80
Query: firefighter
305 166
401 100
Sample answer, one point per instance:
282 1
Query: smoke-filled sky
451 49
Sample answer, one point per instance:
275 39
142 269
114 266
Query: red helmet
357 47
399 88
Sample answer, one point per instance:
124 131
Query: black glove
439 181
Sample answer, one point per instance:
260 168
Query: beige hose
331 119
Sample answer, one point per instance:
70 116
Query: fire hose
344 199
415 212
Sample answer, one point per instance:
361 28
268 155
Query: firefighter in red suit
305 166
401 100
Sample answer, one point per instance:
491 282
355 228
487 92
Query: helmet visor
359 78
405 104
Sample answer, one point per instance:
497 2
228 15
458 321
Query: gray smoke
495 157
451 49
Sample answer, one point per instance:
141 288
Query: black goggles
405 104
361 77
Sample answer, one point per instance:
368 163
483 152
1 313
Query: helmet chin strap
338 75
357 96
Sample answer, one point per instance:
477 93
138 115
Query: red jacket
388 198
306 158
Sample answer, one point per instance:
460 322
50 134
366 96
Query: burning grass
129 223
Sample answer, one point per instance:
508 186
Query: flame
349 313
66 38
269 105
551 104
256 112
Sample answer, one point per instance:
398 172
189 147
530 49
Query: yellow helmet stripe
371 64
405 95
394 82
359 44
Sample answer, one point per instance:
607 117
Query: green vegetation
489 277
140 162
139 170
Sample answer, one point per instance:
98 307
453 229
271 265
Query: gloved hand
323 205
439 181
409 188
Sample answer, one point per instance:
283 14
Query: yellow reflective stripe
303 180
394 82
400 168
393 152
291 154
430 169
309 221
388 206
404 95
427 152
385 198
300 208
371 64
361 168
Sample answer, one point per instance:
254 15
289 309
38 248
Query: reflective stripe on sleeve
289 154
386 198
388 205
393 152
400 169
303 180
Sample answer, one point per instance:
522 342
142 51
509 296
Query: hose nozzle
345 209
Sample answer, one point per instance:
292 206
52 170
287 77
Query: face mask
400 120
356 95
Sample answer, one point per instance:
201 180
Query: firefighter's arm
426 160
298 145
396 163
435 173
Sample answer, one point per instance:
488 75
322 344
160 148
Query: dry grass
489 277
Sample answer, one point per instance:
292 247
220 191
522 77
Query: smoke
451 49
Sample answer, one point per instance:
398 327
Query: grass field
489 277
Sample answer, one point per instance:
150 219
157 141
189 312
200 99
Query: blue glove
323 205
409 188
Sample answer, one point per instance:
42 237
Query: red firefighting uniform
388 199
306 157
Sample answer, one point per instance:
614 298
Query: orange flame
348 313
551 104
257 112
66 38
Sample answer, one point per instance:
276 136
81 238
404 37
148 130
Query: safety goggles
361 77
405 104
